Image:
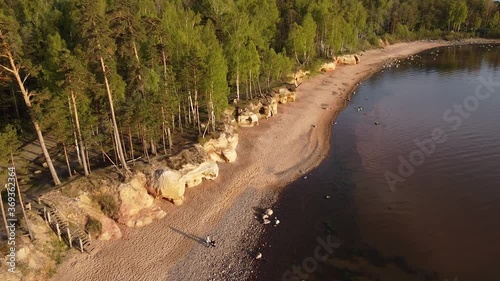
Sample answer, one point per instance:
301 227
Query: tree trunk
79 134
7 231
122 139
52 170
170 143
191 109
163 130
250 84
196 103
70 107
260 89
153 147
115 149
67 160
131 143
186 113
180 117
237 84
88 160
121 157
26 95
212 108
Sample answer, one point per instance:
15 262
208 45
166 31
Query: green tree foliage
116 80
457 15
301 40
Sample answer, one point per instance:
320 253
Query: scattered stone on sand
268 212
258 256
328 197
377 123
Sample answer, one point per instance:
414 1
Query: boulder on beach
168 184
193 175
349 59
248 119
299 77
329 66
269 107
284 96
223 148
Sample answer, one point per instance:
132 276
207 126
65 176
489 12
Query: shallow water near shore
435 219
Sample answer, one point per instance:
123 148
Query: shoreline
271 156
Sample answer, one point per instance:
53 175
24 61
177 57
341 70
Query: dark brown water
440 218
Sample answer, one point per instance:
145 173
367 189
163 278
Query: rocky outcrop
167 184
187 169
223 148
329 66
299 77
109 230
248 119
194 175
137 206
349 59
284 95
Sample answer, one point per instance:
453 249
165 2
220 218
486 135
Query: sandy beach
270 156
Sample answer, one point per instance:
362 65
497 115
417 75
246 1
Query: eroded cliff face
137 207
223 148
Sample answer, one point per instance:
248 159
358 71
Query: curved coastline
276 153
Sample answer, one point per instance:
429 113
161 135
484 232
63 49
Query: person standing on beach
209 242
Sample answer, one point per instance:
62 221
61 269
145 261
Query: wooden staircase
71 234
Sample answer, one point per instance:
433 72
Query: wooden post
90 236
48 218
81 244
58 231
69 238
39 199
